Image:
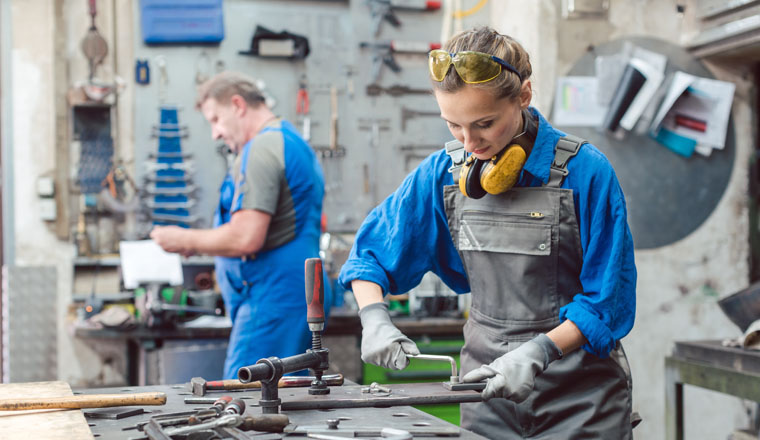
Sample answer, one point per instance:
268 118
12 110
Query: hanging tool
163 79
202 68
333 141
302 108
200 386
395 90
383 53
407 113
93 45
332 149
384 10
374 125
83 401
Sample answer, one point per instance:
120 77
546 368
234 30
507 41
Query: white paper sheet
654 73
575 103
707 100
145 262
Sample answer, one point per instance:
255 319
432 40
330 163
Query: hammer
83 401
200 385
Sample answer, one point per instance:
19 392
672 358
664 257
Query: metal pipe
264 371
435 357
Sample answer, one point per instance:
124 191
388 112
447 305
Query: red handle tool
315 295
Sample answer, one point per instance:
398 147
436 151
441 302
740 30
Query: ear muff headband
501 172
497 175
469 178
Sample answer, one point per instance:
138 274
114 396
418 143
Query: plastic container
181 21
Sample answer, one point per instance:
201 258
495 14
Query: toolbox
181 21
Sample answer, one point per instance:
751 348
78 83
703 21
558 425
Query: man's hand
512 376
172 239
382 343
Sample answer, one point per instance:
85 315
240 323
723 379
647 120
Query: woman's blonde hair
485 39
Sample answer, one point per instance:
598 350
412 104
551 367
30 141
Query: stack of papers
694 115
629 93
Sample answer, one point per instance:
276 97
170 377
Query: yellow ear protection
500 173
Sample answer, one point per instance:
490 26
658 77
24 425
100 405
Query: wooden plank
58 424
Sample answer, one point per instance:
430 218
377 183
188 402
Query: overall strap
455 150
567 147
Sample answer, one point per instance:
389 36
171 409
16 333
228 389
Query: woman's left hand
512 376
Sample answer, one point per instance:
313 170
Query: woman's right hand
383 344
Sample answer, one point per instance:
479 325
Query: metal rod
436 357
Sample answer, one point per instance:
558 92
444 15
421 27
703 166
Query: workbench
399 417
342 335
707 364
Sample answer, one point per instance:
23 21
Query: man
267 223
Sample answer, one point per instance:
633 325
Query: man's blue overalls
265 295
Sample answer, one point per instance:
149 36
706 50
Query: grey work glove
512 376
382 343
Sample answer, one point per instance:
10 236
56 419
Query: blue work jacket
407 235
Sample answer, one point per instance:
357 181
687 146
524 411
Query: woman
533 224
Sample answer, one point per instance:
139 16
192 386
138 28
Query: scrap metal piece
464 386
321 432
376 388
113 413
409 394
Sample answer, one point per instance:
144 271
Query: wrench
434 357
407 113
226 421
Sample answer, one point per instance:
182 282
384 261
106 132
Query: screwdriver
237 406
315 298
315 317
213 411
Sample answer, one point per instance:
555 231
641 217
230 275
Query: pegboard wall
380 144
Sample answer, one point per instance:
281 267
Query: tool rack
169 180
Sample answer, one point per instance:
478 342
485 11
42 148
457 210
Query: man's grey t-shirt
265 187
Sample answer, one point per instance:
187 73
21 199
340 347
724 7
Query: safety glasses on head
472 67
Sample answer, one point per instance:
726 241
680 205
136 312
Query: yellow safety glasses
472 67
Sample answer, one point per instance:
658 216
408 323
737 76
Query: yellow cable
472 10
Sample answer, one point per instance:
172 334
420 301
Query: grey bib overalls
522 254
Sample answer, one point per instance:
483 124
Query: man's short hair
223 86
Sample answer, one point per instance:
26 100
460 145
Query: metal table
707 364
143 344
399 417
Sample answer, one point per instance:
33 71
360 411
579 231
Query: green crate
422 370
